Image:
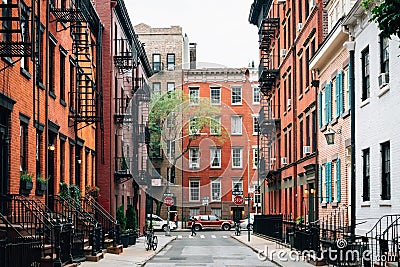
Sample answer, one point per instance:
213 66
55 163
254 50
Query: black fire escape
17 22
268 76
85 98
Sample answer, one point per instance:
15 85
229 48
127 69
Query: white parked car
244 224
161 224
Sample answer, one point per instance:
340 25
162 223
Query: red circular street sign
238 200
168 201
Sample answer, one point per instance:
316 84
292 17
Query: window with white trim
215 157
215 125
237 160
194 158
194 189
170 87
194 211
216 190
255 157
236 125
215 95
194 126
216 211
194 96
236 96
237 185
256 126
256 95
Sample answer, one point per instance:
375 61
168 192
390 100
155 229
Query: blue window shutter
320 109
338 108
338 180
326 182
320 183
330 102
341 96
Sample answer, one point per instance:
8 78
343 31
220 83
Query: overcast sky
219 27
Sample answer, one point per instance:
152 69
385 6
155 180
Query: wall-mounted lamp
315 80
79 160
330 135
51 147
311 191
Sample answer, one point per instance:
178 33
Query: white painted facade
377 120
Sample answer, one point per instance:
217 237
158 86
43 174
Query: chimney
192 55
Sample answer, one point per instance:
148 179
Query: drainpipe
350 46
47 97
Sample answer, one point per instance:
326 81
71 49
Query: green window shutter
341 96
338 108
338 190
320 109
320 183
326 104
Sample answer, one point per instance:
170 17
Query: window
385 155
194 158
170 87
256 95
216 211
255 157
62 76
38 152
194 190
52 76
39 52
71 164
157 88
194 211
257 199
237 185
71 84
384 47
237 157
194 126
256 126
215 125
156 62
215 157
365 74
194 96
346 91
216 190
236 96
62 161
171 152
170 61
215 95
301 75
25 14
6 24
171 174
366 175
23 147
236 125
301 137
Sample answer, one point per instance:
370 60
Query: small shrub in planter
26 181
125 239
132 237
41 183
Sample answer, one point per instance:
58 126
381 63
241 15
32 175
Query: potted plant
41 183
122 222
92 191
131 224
26 182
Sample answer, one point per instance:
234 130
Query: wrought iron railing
109 224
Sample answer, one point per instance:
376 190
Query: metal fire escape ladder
16 25
82 19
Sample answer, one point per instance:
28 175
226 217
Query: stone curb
142 263
255 250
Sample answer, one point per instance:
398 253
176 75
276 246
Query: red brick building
122 167
289 34
49 94
216 164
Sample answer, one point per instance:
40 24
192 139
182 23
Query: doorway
237 213
4 156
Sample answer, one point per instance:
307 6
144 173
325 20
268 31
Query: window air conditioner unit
299 26
306 150
281 1
194 165
289 102
171 67
383 79
283 52
284 161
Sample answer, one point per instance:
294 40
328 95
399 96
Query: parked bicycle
151 241
237 228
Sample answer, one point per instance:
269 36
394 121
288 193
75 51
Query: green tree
386 14
121 219
131 218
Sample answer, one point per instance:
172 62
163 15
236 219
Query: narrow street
207 248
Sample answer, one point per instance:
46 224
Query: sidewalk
278 254
132 256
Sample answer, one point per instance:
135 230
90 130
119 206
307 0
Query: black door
4 157
237 213
50 182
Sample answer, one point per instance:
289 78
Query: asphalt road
207 248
